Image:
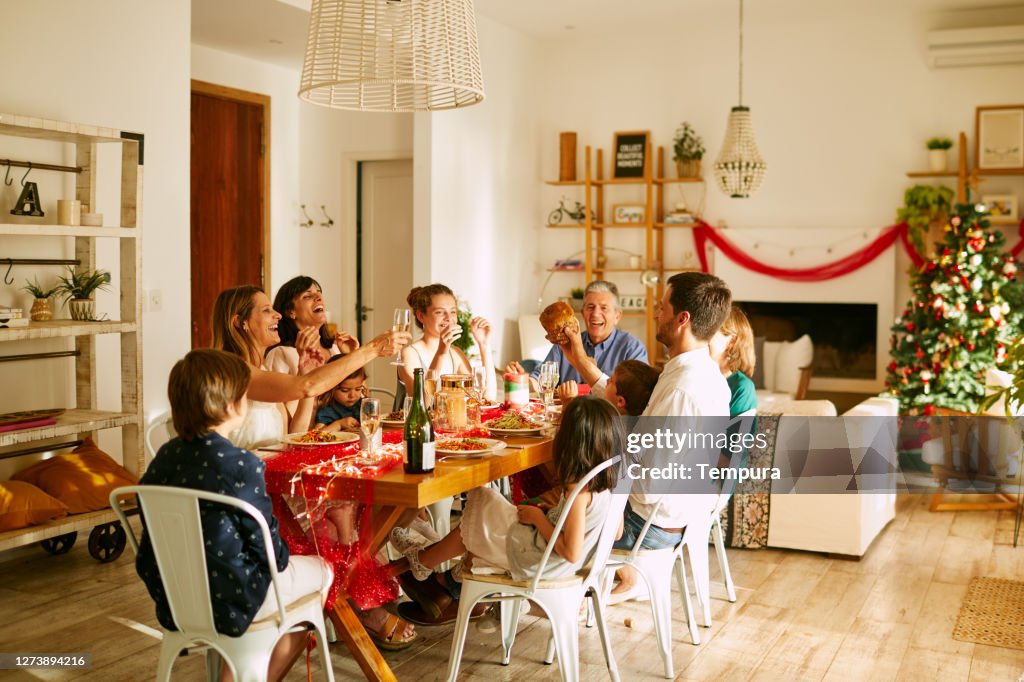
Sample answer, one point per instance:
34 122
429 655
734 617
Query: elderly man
603 341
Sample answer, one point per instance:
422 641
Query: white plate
342 437
393 423
492 447
515 432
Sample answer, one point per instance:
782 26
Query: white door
385 255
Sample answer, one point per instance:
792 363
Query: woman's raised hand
481 331
345 342
311 354
390 343
448 337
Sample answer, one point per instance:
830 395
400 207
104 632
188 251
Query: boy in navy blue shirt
207 396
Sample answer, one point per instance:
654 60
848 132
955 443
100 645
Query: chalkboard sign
630 152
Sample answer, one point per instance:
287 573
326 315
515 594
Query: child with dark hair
207 390
338 409
496 533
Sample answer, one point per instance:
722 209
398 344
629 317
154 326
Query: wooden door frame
350 197
236 95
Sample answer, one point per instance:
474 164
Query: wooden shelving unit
963 172
82 418
595 225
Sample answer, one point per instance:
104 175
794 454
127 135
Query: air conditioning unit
976 46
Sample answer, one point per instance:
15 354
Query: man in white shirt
692 309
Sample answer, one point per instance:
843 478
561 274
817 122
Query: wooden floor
799 616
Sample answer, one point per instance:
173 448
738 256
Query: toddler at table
338 409
206 390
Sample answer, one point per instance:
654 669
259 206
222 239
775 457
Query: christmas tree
966 311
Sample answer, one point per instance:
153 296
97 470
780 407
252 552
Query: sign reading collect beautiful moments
630 150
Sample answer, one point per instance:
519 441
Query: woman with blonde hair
732 347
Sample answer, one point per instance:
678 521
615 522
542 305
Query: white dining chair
559 598
174 527
159 431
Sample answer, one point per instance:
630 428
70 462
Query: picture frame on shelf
629 214
999 137
1001 208
629 154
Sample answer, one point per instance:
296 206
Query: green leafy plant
922 206
83 284
939 143
687 145
465 315
576 292
37 291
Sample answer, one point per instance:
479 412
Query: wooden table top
455 476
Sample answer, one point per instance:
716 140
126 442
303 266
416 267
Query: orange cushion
82 480
23 504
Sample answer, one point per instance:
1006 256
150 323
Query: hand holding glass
401 323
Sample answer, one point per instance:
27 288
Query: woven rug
992 613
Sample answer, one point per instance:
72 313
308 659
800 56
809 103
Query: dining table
393 493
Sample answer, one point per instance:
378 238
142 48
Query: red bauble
910 326
929 410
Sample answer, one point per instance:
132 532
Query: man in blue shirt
602 340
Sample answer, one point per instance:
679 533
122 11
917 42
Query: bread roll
556 318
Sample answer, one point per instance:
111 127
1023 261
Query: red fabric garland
704 233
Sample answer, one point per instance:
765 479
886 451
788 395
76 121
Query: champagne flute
480 382
369 421
548 383
401 323
431 382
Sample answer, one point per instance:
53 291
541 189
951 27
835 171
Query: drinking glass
369 421
480 382
401 323
548 382
431 382
406 407
440 420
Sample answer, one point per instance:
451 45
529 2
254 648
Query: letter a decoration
28 202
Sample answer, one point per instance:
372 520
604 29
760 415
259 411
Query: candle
69 212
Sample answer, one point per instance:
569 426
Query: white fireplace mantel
804 248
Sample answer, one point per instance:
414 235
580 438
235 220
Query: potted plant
688 150
42 308
577 298
78 288
937 153
925 208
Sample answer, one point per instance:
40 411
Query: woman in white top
300 302
437 312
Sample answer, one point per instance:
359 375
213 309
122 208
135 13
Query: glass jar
517 389
458 400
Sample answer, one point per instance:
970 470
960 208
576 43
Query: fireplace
844 334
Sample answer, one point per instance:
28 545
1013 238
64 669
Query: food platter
393 420
511 424
483 447
336 438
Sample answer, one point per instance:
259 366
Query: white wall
482 206
841 96
309 146
122 64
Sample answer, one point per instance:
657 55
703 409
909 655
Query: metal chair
174 527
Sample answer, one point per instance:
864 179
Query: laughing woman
300 302
437 314
244 323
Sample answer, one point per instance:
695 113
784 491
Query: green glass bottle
418 432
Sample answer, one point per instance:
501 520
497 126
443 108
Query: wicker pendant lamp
392 55
739 168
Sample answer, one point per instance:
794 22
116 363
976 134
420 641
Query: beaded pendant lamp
739 168
392 55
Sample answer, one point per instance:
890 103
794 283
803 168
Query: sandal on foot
402 539
389 637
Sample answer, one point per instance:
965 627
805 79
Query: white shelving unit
82 418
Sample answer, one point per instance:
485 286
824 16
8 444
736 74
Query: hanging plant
923 206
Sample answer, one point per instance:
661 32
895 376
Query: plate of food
321 438
467 447
513 424
394 419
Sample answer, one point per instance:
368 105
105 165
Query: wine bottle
418 432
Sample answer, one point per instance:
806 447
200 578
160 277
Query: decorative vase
42 310
937 160
690 168
82 308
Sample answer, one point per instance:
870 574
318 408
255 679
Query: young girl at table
338 409
206 390
496 533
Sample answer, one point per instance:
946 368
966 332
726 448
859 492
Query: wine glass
401 323
431 382
548 382
406 407
369 421
480 382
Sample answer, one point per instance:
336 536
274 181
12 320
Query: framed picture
628 214
1002 208
999 137
629 154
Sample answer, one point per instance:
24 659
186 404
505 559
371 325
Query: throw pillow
792 356
82 480
23 504
758 377
771 354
